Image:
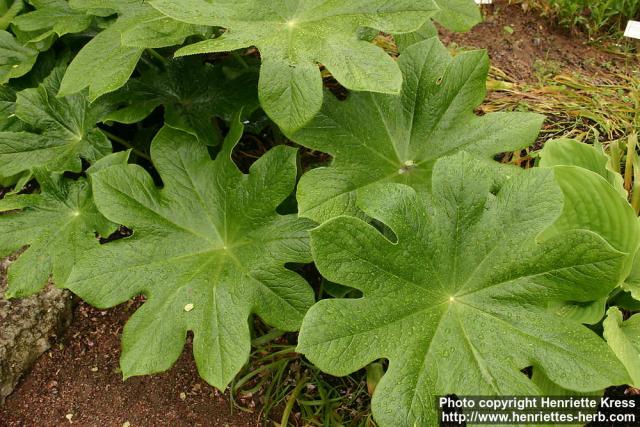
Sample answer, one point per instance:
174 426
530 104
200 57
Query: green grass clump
595 16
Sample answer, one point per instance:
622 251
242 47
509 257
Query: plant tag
484 1
633 30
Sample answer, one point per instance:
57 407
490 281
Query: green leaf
208 249
465 276
375 138
294 36
590 312
102 8
548 388
624 300
624 339
103 65
192 92
632 282
338 291
569 152
619 224
583 174
106 62
63 131
58 226
9 12
45 63
612 218
427 31
8 119
455 15
458 15
52 17
15 59
119 158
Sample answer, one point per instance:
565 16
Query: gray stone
27 328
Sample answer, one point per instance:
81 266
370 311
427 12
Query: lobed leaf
465 275
58 225
384 138
208 249
57 132
51 17
293 37
192 93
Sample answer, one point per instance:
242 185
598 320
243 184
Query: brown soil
79 379
534 39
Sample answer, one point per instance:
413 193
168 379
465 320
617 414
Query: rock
27 328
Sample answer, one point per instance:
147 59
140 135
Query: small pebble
183 396
188 307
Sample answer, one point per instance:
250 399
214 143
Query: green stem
292 400
268 337
126 143
157 56
242 381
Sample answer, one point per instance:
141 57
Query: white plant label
633 29
484 1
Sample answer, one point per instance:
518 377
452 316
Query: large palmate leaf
584 176
208 249
62 131
376 138
192 92
294 36
52 17
15 59
624 338
465 275
58 225
106 63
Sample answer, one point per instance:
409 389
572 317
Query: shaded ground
80 378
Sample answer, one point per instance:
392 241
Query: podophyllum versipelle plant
469 270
